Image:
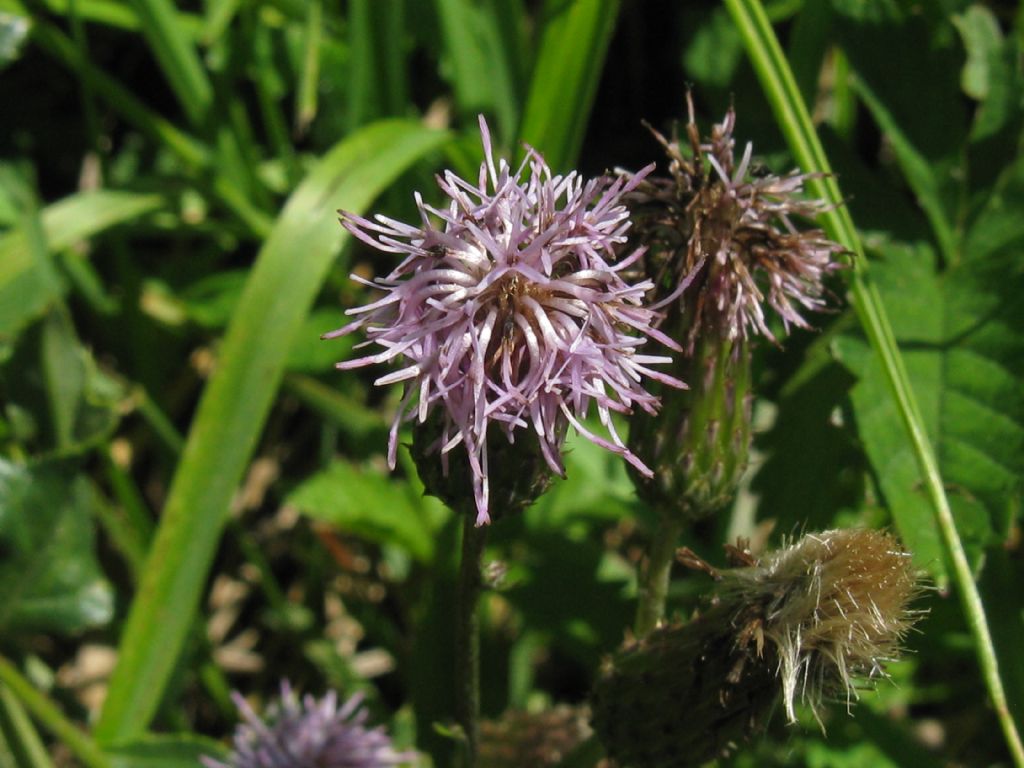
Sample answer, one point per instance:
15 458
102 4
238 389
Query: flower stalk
654 576
467 637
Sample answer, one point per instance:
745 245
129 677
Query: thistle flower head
509 311
810 620
723 235
835 609
309 732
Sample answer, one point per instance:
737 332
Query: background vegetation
193 501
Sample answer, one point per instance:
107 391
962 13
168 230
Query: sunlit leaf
49 578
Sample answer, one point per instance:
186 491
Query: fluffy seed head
814 619
835 609
309 732
509 311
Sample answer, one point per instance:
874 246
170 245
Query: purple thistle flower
308 733
510 311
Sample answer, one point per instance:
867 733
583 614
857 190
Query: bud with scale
816 619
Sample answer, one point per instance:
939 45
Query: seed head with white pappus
509 312
816 619
310 732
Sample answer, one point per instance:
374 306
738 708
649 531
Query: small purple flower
509 311
308 733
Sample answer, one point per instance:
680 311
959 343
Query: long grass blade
570 58
795 121
177 56
288 273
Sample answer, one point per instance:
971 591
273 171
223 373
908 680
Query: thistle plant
300 733
816 619
724 252
509 312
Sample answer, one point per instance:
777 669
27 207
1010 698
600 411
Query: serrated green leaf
49 578
962 337
371 504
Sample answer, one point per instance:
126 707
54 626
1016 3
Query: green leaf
570 58
63 402
982 39
376 68
27 285
174 50
282 285
963 340
595 488
807 442
50 580
312 354
210 301
715 51
918 170
180 751
477 63
372 504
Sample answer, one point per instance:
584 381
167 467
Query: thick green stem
467 638
654 575
51 718
780 87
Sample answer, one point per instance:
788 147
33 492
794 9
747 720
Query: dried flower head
722 235
834 608
510 311
813 619
310 732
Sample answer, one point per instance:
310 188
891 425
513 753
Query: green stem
467 637
24 745
791 112
51 718
654 576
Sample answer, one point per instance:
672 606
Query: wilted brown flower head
724 236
